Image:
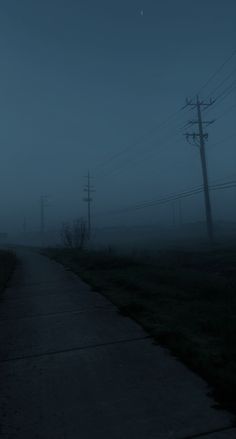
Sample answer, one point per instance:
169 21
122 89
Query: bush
75 235
7 266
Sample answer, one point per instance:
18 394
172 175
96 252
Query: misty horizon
101 87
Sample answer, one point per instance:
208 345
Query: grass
185 300
7 266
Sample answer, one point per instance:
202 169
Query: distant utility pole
199 141
24 226
173 214
43 204
24 230
89 189
180 213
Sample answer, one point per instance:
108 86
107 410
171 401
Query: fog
102 86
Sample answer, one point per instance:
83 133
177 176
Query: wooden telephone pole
89 189
43 205
199 139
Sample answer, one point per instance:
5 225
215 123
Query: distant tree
67 235
75 235
80 232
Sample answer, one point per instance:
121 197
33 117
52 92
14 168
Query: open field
185 300
7 266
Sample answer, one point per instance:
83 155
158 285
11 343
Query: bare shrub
75 235
66 235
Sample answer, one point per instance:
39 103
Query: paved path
71 367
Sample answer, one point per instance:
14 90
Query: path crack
92 346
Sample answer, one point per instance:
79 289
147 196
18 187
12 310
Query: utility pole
180 213
24 226
43 204
24 230
89 189
173 214
199 141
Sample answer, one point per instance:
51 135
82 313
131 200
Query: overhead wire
173 197
221 84
162 200
164 141
231 136
134 144
222 96
137 142
175 115
226 112
218 70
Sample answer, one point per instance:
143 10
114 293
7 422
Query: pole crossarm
191 103
206 122
195 135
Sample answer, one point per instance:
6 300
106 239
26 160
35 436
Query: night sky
88 84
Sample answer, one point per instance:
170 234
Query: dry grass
186 300
7 266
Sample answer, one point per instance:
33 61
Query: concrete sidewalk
72 367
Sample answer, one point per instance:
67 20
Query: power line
227 111
217 71
223 140
219 180
226 91
143 137
133 145
224 94
227 184
172 197
136 159
130 147
163 200
221 83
